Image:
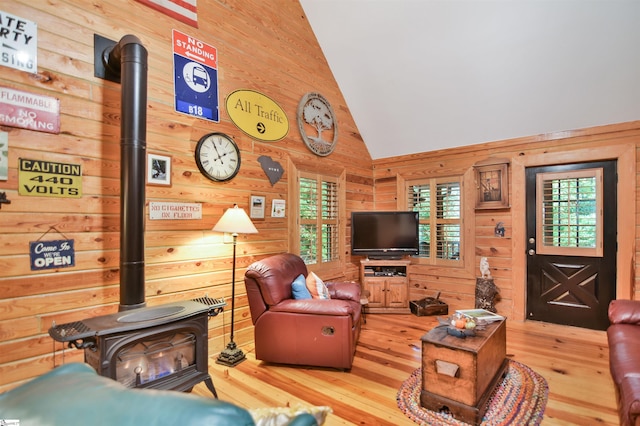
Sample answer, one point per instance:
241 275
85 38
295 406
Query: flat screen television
384 234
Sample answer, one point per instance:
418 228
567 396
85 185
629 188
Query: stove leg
210 386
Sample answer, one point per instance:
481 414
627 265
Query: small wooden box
428 306
458 375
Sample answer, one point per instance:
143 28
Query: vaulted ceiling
423 75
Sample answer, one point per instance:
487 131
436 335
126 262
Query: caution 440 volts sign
48 179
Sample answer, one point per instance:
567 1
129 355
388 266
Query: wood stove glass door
153 358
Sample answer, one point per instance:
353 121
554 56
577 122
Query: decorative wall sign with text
51 254
175 211
48 179
257 115
195 77
19 47
28 111
317 124
272 169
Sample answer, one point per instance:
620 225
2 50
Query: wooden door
571 243
397 293
376 287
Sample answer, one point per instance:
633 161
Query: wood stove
162 347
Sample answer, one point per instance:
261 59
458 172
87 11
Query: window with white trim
319 218
439 204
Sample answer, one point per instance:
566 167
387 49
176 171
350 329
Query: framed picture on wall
492 184
256 207
158 169
278 208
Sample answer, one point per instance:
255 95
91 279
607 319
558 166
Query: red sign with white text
194 49
29 111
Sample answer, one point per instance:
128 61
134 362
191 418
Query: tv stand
387 281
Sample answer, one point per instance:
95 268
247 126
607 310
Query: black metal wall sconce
3 199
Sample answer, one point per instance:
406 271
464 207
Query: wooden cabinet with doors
387 282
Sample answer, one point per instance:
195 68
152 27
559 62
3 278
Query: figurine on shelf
485 271
487 293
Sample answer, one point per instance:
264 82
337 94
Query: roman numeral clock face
217 157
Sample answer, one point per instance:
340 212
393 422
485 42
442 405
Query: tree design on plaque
317 124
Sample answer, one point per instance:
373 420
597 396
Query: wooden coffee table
458 375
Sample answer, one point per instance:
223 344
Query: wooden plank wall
263 46
457 286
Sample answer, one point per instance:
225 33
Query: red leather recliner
310 332
623 336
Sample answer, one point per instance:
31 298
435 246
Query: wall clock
217 157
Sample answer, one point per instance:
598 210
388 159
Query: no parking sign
195 77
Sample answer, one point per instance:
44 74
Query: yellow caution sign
48 179
257 115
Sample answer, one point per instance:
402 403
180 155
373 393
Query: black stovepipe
132 59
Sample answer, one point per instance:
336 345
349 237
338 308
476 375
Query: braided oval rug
520 398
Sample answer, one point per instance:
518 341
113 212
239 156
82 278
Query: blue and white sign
195 77
51 254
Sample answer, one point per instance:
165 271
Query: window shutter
308 199
419 200
439 203
330 232
319 213
570 213
308 220
448 232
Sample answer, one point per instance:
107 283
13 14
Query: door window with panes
569 212
439 203
318 218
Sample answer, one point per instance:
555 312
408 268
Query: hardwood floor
574 362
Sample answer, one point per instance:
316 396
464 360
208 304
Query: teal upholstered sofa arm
74 394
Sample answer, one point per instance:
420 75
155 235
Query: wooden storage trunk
428 306
458 375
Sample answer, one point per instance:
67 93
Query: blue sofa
74 394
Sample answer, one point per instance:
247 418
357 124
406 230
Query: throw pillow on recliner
316 287
299 288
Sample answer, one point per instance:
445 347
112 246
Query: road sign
195 77
19 47
257 115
